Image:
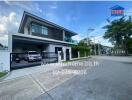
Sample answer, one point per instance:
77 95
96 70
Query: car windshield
32 53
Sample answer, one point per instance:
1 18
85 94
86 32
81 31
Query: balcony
70 40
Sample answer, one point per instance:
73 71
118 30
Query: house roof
27 14
117 7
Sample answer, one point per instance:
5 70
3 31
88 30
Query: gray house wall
53 33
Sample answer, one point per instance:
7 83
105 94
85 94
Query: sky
77 16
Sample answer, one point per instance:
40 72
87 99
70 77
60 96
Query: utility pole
98 48
94 46
89 30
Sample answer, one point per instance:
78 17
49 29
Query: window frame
36 28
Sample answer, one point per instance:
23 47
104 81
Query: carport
21 45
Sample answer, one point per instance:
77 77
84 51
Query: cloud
21 4
28 6
70 18
99 29
51 17
101 40
9 24
38 8
2 28
77 38
54 5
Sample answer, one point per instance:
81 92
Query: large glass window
44 30
39 29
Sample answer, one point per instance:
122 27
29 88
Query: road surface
108 80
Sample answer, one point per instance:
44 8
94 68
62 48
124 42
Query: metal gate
20 60
49 57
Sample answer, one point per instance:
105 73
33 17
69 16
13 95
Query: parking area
31 58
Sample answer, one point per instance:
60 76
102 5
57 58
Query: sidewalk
30 83
36 69
31 70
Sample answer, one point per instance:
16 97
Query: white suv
32 56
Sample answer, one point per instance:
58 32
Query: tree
83 48
119 33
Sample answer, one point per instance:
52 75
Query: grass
2 74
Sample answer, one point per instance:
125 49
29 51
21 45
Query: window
44 30
67 38
39 29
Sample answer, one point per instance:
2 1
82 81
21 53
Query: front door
67 55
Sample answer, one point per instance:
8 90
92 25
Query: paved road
108 80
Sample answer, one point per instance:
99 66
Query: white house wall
51 48
4 60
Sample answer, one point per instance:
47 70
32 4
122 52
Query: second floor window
39 29
44 30
67 38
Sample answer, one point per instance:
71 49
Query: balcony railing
71 40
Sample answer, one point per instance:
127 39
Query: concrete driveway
108 80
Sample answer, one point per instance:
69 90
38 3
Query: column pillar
64 53
70 54
78 54
59 56
10 42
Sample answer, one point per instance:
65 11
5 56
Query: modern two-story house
38 34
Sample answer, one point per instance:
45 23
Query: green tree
83 48
119 33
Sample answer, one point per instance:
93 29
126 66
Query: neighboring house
106 50
37 34
97 48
